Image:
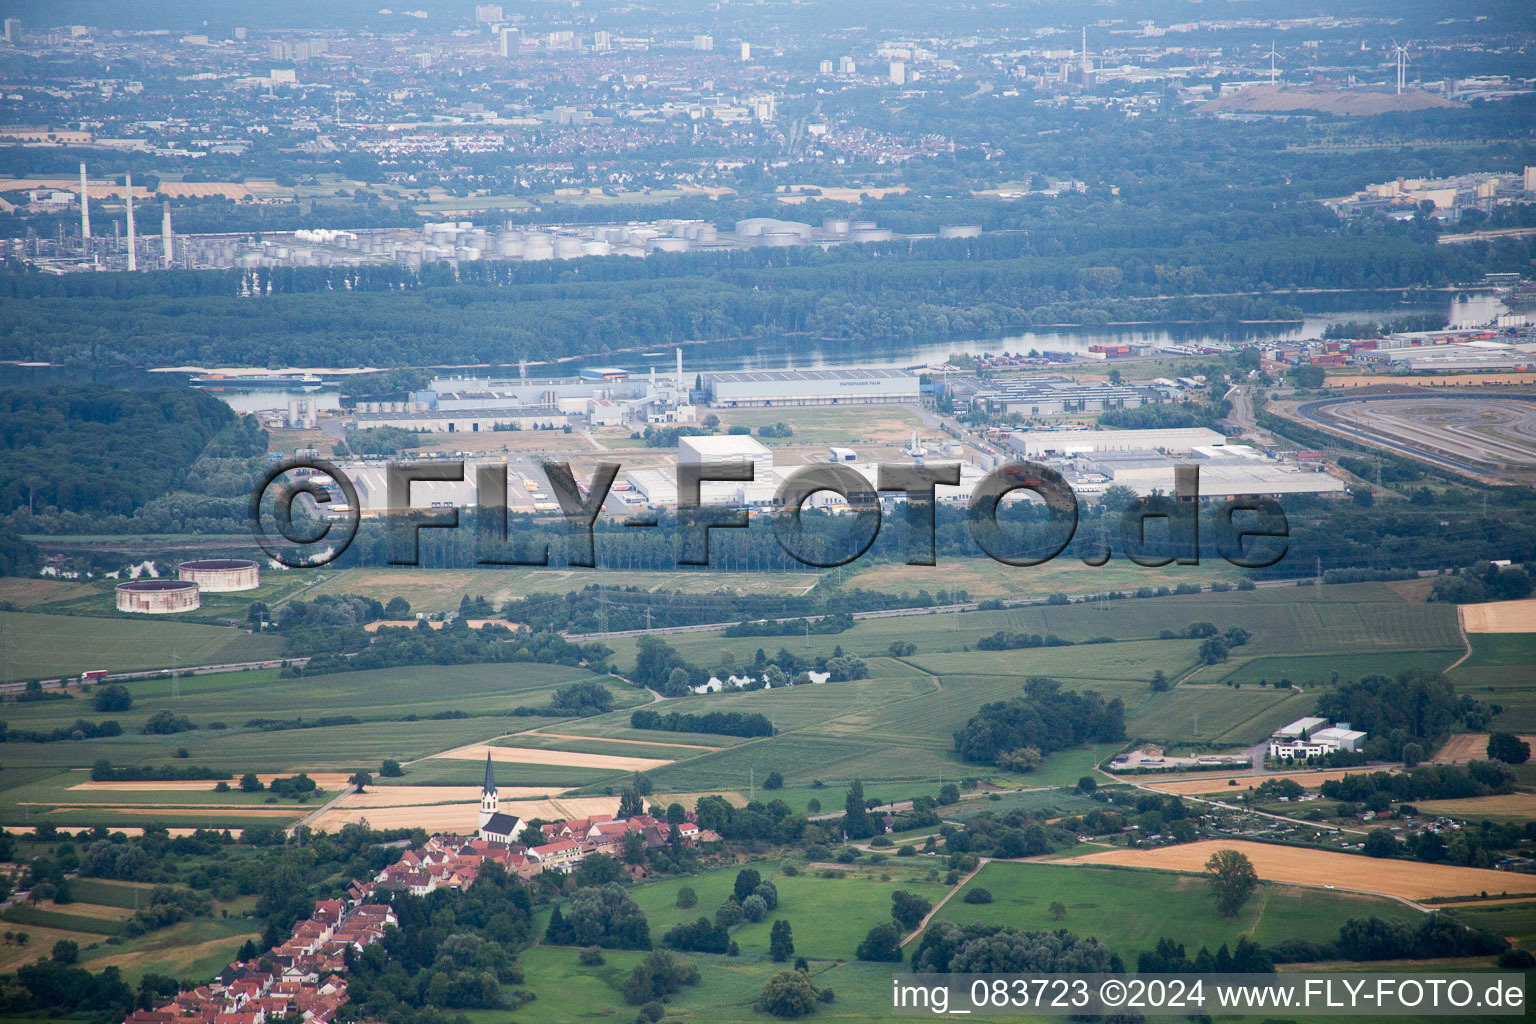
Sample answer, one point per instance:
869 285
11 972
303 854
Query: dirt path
981 863
1461 627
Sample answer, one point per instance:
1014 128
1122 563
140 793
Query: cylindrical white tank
596 248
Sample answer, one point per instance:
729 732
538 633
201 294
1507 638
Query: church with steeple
496 827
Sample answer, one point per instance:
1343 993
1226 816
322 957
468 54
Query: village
300 977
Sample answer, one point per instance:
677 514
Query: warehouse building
714 450
479 419
1225 472
1041 444
846 386
1050 396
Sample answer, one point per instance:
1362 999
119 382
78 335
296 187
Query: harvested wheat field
1499 616
1506 805
562 758
691 800
1469 746
127 830
1401 878
461 818
628 742
416 796
325 780
189 810
1218 783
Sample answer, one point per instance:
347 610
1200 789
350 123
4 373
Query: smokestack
85 204
133 257
682 392
167 242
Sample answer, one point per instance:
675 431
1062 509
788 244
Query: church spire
490 803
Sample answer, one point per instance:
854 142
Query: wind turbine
1271 55
1402 60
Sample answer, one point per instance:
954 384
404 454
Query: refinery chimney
85 204
167 242
682 392
133 257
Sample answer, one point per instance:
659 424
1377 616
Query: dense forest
92 449
502 312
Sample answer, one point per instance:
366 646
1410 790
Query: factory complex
1051 396
452 242
1313 737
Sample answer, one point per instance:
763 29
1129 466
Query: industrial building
1313 737
838 386
220 575
1226 471
157 597
1037 444
1049 396
716 451
602 395
467 421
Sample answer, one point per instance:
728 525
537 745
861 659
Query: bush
687 899
788 995
592 956
977 895
881 945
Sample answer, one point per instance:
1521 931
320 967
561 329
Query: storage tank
960 231
220 575
869 235
567 248
596 248
780 238
835 226
509 245
539 247
157 597
670 243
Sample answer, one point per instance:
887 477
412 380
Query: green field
1310 671
1502 669
1129 910
440 590
47 646
860 898
394 706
